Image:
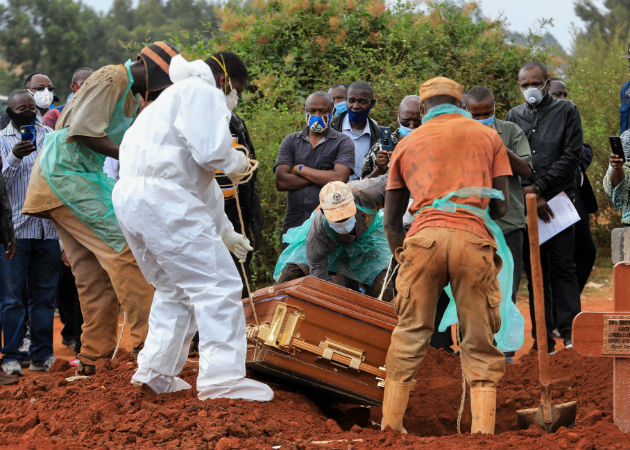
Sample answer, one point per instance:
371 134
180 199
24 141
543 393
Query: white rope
243 178
387 278
122 330
463 400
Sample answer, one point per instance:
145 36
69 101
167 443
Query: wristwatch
299 170
536 188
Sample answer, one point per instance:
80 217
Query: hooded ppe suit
170 209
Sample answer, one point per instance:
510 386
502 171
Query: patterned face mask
318 124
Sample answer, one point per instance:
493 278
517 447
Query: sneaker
85 369
26 345
25 363
42 366
12 367
568 343
509 360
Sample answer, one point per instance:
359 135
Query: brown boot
85 369
395 403
483 403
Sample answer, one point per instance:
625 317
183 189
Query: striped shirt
16 173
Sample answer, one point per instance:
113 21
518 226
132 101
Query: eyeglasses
41 88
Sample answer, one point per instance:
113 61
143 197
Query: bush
596 75
294 47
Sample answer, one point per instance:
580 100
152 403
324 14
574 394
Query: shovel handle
539 293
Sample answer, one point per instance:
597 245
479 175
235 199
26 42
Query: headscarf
157 59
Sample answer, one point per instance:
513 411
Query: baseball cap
440 86
627 55
336 201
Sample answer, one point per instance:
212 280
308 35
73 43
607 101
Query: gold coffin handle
282 333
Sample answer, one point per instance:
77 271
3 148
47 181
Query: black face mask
20 119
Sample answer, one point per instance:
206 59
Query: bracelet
536 188
299 169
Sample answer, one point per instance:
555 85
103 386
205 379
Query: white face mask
231 99
344 227
43 98
533 95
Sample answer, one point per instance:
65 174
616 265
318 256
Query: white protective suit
170 209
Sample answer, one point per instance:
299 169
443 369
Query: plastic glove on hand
237 244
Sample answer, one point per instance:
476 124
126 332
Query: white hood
180 69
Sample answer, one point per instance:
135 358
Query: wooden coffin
321 335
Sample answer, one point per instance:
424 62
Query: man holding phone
409 119
36 261
358 126
617 179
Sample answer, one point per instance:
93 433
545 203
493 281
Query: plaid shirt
17 173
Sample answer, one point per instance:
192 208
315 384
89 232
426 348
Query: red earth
44 411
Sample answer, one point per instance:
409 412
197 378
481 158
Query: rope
463 400
388 278
243 178
122 329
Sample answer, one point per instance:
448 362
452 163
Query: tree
615 19
293 47
43 35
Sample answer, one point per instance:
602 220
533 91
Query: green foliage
596 75
294 47
58 36
614 18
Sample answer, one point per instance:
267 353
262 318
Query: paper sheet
564 213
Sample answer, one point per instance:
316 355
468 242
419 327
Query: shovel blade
562 415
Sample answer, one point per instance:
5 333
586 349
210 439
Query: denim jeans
36 262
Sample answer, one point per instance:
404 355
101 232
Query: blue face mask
489 121
358 117
344 227
340 107
404 131
318 124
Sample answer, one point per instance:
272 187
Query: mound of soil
107 412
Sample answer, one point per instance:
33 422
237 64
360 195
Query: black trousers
560 284
68 304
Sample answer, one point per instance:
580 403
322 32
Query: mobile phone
386 139
27 132
617 148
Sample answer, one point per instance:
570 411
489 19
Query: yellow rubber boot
395 403
483 403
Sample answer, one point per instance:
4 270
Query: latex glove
237 244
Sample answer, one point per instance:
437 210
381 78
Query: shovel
548 416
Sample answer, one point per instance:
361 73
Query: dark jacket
247 194
375 140
554 132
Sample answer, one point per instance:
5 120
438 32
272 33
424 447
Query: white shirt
361 141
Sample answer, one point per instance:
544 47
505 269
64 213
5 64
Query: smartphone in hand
617 148
27 132
386 139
